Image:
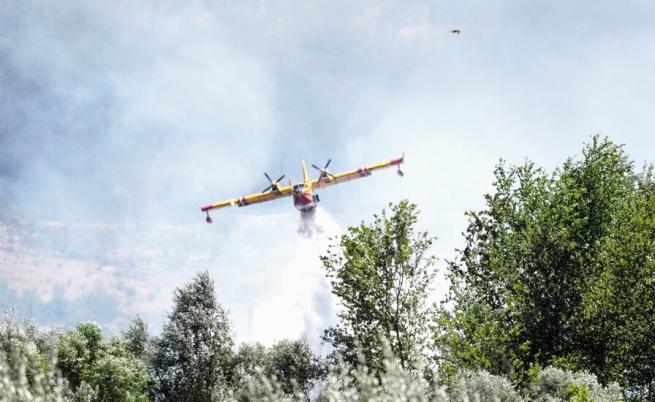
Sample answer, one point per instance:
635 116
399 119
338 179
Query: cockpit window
298 188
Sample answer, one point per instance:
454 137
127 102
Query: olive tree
192 361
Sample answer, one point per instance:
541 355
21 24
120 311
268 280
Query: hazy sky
117 121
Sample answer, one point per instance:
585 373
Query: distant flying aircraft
303 195
455 31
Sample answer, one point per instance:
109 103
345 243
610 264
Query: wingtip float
304 197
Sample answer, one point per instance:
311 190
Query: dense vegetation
551 299
559 270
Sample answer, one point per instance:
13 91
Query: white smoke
304 305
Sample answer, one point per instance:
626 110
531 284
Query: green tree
27 362
138 341
291 365
78 349
118 375
381 274
247 365
294 366
192 362
559 269
100 371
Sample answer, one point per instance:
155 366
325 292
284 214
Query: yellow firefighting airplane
303 195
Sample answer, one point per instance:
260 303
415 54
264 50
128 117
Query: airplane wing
282 191
327 180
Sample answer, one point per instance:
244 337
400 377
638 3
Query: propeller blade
267 188
316 167
328 163
269 179
278 180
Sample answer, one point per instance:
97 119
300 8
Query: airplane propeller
324 171
273 183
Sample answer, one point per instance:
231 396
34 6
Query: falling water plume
304 304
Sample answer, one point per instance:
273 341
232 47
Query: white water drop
304 304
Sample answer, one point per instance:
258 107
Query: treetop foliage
195 346
382 273
559 269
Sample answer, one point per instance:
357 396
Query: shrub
27 366
554 384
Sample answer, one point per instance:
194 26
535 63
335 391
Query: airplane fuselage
304 202
304 198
